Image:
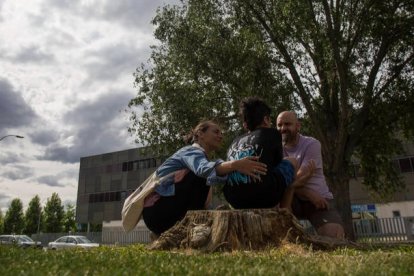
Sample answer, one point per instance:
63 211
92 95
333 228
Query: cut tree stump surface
248 229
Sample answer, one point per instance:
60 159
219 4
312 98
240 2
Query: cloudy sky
65 80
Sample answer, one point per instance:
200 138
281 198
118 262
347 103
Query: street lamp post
38 222
16 136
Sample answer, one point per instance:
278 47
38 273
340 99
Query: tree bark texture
249 229
340 190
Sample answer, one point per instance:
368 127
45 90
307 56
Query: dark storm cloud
17 172
58 180
4 201
50 180
1 10
98 127
10 158
14 111
71 173
111 62
133 13
130 13
33 54
43 137
56 152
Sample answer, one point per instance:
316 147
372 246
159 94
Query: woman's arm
196 161
247 165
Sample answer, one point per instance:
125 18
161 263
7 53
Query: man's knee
333 230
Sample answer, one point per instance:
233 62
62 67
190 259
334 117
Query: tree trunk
340 189
249 229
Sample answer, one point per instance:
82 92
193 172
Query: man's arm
316 199
306 171
304 174
298 183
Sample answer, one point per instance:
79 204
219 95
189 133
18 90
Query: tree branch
397 72
288 60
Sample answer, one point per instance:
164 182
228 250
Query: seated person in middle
276 187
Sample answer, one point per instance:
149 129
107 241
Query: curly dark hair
252 111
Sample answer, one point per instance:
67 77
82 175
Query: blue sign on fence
357 208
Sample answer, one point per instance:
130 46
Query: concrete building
401 203
106 180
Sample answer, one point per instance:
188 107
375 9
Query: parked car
67 242
22 241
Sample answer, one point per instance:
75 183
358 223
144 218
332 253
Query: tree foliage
53 214
202 69
1 222
69 220
14 220
346 66
32 216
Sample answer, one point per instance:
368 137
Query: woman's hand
250 166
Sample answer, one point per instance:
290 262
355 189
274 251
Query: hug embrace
255 175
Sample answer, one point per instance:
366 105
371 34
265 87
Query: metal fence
116 235
399 229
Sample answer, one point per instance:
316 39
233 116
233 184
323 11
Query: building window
405 165
396 165
396 214
130 166
105 197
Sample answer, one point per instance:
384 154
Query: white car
67 242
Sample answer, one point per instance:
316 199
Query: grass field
290 259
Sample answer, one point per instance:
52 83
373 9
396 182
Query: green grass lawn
136 260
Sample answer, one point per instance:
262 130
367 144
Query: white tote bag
134 203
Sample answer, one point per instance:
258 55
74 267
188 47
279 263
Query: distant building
105 181
401 204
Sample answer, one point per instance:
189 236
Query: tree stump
249 229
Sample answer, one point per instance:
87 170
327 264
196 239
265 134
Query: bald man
314 201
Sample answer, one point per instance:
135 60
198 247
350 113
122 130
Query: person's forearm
304 174
225 168
247 165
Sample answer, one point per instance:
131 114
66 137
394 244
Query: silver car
22 241
67 242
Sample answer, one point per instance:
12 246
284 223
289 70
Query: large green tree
69 220
1 222
32 216
14 220
346 66
53 214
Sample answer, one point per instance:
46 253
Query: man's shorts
303 209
